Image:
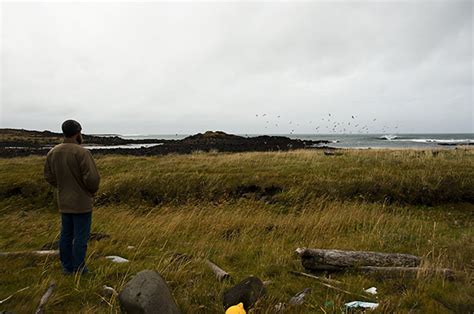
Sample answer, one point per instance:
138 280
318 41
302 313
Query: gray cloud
185 68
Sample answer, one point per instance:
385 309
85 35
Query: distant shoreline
16 143
19 142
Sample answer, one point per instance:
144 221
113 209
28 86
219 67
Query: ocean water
357 140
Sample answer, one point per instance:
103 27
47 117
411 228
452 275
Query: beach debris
219 272
147 292
320 279
236 309
37 253
248 291
130 247
298 299
11 295
316 277
45 298
117 259
362 304
109 291
371 290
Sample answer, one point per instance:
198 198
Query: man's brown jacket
70 168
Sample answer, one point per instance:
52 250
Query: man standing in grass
70 168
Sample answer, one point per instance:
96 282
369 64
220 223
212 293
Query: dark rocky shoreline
39 139
208 141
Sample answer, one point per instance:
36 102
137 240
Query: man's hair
71 128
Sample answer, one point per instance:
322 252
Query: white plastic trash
371 290
117 259
362 304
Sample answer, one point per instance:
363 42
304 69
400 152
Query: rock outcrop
209 141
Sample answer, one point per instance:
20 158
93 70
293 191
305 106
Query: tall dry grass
207 210
299 177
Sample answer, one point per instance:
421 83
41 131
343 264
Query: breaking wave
439 141
388 137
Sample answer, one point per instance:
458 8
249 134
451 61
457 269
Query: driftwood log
383 264
37 253
408 272
219 272
45 298
318 259
11 295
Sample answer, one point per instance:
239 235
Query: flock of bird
327 124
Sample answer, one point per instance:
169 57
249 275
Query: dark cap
71 128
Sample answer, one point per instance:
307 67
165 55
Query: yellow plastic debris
236 309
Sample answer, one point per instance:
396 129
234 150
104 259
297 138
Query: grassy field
248 213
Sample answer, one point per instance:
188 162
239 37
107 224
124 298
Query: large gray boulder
147 293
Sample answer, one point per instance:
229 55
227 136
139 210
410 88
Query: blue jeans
75 230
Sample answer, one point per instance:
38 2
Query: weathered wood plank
219 272
45 298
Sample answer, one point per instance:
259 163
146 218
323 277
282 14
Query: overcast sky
165 68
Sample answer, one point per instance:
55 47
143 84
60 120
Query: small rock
248 291
146 293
